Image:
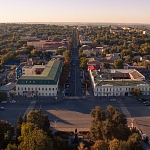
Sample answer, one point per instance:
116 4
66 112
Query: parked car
145 138
4 102
147 104
2 108
112 100
12 101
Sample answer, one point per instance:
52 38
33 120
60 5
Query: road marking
30 107
125 110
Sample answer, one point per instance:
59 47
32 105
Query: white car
2 108
4 102
12 101
112 100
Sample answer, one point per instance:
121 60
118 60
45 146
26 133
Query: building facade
44 84
118 82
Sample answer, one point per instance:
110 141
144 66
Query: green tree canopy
33 138
6 133
136 92
108 125
100 145
105 65
39 119
118 64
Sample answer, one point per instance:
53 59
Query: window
50 89
28 88
35 88
25 88
18 88
39 88
53 89
42 89
22 88
49 94
46 89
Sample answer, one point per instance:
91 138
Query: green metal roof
120 83
50 74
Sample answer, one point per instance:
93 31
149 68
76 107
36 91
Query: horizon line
51 22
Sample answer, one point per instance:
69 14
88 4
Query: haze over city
117 11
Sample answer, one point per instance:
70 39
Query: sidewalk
39 98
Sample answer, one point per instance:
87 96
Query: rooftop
118 77
50 74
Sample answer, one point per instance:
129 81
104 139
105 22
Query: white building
118 82
45 84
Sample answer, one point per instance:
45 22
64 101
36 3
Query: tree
118 64
81 146
19 123
108 125
13 67
33 138
66 53
39 119
83 62
11 147
134 142
98 116
100 145
136 92
58 143
6 133
105 65
116 124
115 144
102 55
128 58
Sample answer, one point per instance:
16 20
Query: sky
104 11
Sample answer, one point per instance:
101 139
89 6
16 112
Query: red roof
94 67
